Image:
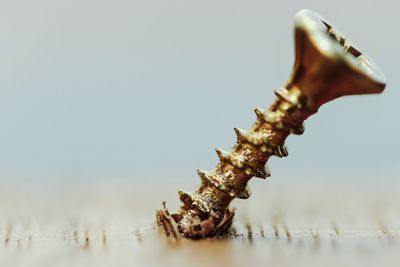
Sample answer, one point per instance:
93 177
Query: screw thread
205 212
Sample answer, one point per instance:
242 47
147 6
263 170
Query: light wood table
314 224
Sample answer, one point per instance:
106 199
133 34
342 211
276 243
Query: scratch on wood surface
249 232
335 228
6 239
262 234
288 235
276 231
86 244
104 238
76 236
315 235
8 231
234 231
385 230
138 235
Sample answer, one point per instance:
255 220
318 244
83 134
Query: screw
326 67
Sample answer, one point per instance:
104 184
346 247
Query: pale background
135 96
139 87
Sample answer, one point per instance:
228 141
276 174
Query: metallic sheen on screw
326 67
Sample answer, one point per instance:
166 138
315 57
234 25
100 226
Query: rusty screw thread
205 212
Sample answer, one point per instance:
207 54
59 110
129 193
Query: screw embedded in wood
326 67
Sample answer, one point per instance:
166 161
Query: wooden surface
112 225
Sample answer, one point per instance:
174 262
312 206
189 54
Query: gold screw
326 67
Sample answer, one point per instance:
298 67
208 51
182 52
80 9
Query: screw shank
209 204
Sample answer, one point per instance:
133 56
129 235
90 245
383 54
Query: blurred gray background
144 91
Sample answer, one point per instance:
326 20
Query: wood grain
280 225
